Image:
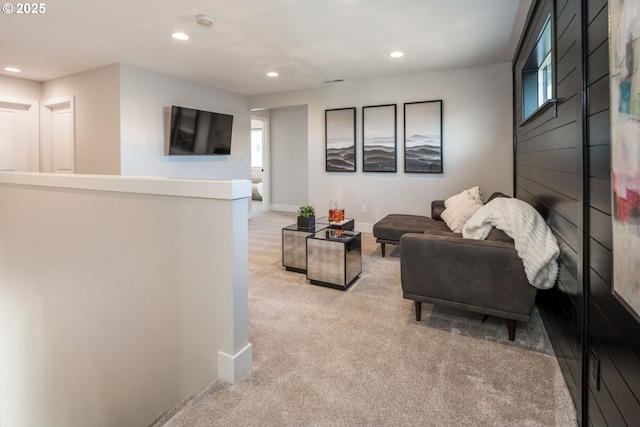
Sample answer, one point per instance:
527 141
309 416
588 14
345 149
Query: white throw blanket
534 241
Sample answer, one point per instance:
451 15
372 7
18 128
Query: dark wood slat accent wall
613 334
547 175
563 168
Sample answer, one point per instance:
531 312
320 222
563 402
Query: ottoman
390 228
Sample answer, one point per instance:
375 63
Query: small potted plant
306 217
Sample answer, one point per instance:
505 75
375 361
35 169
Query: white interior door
62 146
58 136
19 145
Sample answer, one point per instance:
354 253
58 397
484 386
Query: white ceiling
307 41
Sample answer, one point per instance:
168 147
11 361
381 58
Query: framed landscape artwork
340 139
379 141
624 59
423 137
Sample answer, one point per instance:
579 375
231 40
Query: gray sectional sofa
441 267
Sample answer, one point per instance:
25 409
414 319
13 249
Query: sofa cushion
496 194
498 235
439 228
437 207
444 231
460 207
393 226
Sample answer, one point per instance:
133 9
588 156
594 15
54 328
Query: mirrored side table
334 258
294 245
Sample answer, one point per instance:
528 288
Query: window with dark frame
537 75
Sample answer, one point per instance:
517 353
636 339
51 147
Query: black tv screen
199 133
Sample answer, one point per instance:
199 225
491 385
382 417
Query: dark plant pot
306 222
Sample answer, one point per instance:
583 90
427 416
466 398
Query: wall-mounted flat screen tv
199 133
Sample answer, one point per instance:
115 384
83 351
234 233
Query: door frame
266 170
46 155
33 111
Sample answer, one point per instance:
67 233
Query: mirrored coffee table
334 258
294 245
294 241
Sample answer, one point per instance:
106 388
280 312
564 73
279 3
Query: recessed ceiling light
13 69
272 74
396 54
180 36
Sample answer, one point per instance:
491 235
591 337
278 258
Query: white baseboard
284 208
232 368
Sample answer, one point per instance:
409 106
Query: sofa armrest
437 207
483 276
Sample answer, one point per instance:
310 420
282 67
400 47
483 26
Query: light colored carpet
325 357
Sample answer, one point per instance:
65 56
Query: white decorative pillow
460 207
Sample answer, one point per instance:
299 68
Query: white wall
288 154
477 140
20 88
119 297
123 118
97 116
146 100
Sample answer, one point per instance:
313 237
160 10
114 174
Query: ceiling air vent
205 21
328 82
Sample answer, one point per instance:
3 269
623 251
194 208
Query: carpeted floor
324 357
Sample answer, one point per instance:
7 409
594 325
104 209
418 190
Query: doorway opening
259 164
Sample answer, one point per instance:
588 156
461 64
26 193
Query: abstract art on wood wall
624 68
